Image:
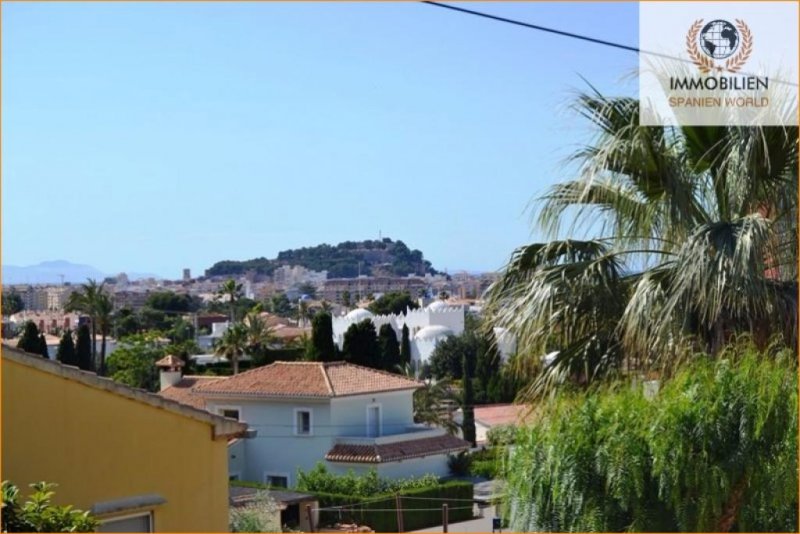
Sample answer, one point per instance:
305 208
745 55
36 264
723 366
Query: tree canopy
361 345
12 303
714 450
394 302
322 348
341 261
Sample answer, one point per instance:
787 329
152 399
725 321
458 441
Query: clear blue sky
150 137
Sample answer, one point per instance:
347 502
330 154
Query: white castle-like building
426 326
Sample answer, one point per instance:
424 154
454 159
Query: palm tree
258 334
232 292
692 240
104 309
233 344
91 300
303 313
433 404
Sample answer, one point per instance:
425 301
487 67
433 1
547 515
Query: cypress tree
322 348
66 350
468 403
390 348
29 341
361 345
83 348
405 347
487 367
43 347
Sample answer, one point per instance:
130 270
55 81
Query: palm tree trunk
94 343
103 353
235 362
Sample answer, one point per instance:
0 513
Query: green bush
488 462
319 479
459 464
501 435
714 450
37 514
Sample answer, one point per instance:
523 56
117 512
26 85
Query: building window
302 422
232 412
277 481
130 523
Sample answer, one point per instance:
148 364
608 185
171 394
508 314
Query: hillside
384 257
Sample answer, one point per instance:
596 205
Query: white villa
426 326
302 413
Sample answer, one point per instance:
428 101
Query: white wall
421 350
349 414
276 449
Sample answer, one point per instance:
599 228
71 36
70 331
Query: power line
572 35
540 28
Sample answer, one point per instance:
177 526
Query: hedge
457 495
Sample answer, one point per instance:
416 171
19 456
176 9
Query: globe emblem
719 39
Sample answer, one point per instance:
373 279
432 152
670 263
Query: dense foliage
133 362
322 348
319 479
493 381
66 350
360 345
669 241
257 515
83 348
341 261
11 303
394 302
37 514
29 340
714 450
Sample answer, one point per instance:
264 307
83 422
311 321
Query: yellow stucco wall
99 446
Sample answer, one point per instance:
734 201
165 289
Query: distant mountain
376 258
50 272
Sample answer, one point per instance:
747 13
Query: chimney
170 367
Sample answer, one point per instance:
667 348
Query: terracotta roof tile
170 360
309 379
501 414
392 452
182 391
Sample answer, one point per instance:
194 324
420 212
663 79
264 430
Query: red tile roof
182 391
501 414
392 452
309 379
170 360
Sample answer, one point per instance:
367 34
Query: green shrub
714 450
501 435
257 516
459 464
39 515
488 462
319 479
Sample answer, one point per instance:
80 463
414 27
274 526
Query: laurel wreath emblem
733 64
